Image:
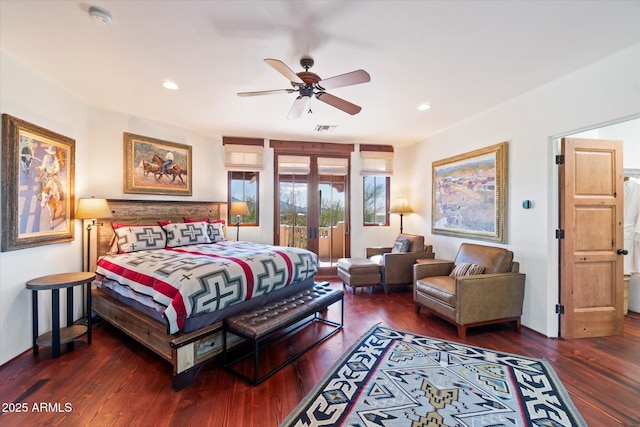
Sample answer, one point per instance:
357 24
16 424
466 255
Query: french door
312 205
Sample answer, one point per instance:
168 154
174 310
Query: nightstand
57 335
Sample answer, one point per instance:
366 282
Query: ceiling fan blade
299 105
339 103
348 79
283 69
266 92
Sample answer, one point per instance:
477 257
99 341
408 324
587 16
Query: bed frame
187 352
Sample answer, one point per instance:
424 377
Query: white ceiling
462 57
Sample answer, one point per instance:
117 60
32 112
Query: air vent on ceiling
325 128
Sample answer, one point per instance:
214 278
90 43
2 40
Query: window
377 167
376 200
243 187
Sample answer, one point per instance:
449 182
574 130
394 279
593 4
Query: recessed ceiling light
424 107
100 15
170 84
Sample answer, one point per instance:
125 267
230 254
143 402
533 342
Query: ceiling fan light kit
308 84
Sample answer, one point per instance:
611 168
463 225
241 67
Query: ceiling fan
309 84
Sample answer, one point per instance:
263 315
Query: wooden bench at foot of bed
265 325
187 352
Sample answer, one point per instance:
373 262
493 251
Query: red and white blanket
197 279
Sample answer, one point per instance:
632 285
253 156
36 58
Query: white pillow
133 238
182 234
216 231
215 228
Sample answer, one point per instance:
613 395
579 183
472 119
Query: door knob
622 252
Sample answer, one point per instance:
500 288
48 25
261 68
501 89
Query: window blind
243 157
376 163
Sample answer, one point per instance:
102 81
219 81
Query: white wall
29 96
604 92
209 178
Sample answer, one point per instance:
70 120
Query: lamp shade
401 206
239 208
92 208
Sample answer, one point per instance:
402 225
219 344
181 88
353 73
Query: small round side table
57 335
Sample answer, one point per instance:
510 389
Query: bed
172 296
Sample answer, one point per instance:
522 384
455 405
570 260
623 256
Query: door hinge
559 309
559 234
560 159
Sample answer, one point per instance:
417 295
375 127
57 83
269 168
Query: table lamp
238 209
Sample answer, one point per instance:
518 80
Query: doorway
312 200
569 326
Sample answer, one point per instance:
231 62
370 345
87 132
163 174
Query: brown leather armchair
396 265
495 296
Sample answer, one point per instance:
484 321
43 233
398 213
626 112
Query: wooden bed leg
186 378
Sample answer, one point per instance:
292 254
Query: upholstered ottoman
357 272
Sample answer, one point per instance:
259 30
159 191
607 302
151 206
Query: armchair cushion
494 259
443 288
416 242
401 244
378 259
466 269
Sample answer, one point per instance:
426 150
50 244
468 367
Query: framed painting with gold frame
38 168
469 194
148 171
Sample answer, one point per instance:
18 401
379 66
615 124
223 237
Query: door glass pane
332 185
293 211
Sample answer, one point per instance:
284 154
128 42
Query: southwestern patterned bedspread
197 279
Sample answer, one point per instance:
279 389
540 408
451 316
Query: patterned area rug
393 378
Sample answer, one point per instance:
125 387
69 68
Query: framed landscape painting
38 168
153 166
470 195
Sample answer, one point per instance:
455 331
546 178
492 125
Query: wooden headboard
150 212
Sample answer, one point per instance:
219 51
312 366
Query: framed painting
38 168
153 166
470 195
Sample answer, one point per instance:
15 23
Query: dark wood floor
117 382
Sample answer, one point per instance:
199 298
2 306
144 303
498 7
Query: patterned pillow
466 269
215 229
401 244
133 238
181 234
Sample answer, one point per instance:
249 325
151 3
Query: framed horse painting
38 168
153 166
